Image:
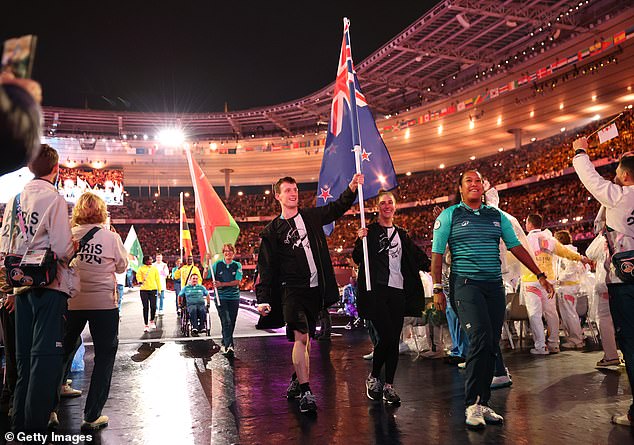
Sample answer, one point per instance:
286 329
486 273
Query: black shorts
300 307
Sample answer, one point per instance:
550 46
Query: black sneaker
374 388
293 391
390 396
308 403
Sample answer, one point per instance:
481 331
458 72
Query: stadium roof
449 48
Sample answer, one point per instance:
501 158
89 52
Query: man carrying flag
294 254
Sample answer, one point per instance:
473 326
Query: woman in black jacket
396 291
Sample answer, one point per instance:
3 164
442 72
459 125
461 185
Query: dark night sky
193 56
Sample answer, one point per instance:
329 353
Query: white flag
607 133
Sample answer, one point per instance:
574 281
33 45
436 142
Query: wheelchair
186 325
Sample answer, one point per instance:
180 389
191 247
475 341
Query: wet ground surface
167 391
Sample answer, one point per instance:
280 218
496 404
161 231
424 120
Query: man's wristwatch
437 290
540 275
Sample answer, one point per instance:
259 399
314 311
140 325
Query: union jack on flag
338 163
345 76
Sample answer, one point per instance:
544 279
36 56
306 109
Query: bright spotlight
596 117
171 136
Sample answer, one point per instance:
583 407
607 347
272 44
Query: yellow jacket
149 278
183 274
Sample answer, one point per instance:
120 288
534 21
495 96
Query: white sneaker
152 325
160 312
540 351
146 328
369 356
491 417
475 416
623 419
502 381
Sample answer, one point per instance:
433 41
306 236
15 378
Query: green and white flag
133 247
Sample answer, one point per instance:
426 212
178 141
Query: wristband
438 290
437 286
580 151
540 275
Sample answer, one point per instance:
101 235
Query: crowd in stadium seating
561 201
92 177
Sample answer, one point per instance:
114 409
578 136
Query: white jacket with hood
47 222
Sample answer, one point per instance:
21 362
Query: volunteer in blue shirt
472 231
228 274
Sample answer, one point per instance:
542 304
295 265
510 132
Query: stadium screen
72 182
106 183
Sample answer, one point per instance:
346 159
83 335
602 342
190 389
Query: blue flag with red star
338 163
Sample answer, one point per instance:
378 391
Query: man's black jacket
275 265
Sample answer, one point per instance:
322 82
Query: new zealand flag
338 162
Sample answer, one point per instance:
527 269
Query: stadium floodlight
171 136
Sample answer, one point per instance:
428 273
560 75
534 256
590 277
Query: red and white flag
607 133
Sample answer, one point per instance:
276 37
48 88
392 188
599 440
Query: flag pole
180 229
605 125
356 142
202 219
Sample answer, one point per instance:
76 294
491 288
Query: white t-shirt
394 254
303 236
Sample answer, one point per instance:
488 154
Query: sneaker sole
494 422
476 427
378 399
94 428
501 385
308 410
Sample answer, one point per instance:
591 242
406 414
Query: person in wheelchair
195 297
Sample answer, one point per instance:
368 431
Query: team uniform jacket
618 201
225 273
412 260
473 237
97 263
545 247
47 225
282 262
185 272
149 278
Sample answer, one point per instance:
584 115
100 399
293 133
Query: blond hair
229 246
89 209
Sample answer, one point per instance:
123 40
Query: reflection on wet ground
186 392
